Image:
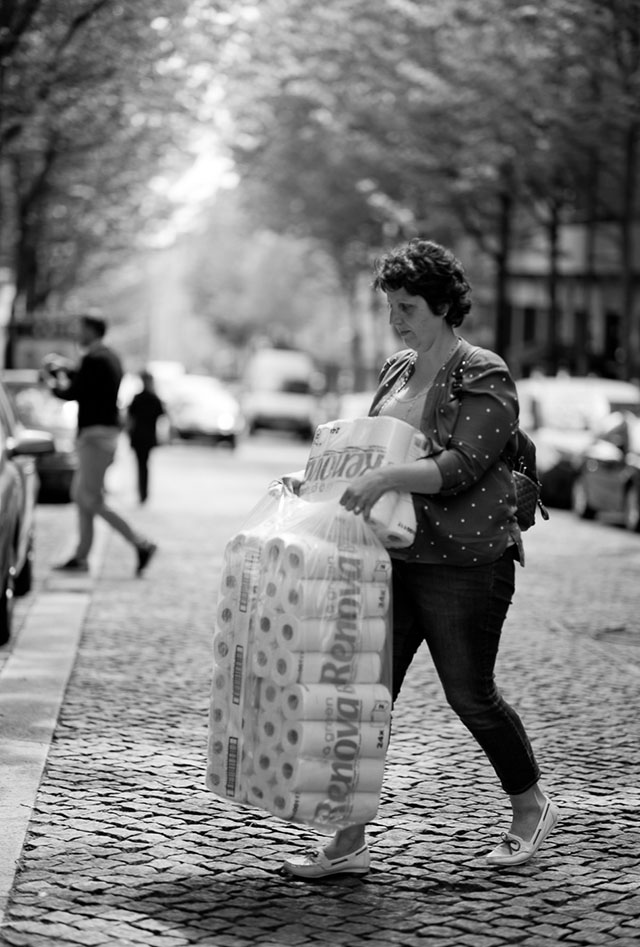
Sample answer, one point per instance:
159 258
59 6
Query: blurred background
218 176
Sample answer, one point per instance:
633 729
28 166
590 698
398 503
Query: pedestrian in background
452 588
142 419
94 385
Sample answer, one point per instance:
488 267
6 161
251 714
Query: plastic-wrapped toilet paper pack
296 557
302 774
301 705
311 634
345 449
326 739
320 809
311 667
362 703
307 598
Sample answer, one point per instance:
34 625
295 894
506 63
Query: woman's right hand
293 481
289 483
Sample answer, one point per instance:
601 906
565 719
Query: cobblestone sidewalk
126 846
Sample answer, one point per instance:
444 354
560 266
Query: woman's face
412 319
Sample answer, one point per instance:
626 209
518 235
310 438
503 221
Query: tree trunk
503 307
552 283
630 331
583 354
8 253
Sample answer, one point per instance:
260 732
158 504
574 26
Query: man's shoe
73 565
513 850
315 865
146 551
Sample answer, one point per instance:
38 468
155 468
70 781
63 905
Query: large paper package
301 703
345 449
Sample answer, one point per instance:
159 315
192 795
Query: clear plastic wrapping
345 449
301 703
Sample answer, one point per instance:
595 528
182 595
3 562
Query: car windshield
198 389
574 410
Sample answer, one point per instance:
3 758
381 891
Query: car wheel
24 580
580 501
6 607
632 510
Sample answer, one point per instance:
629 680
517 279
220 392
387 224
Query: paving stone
125 842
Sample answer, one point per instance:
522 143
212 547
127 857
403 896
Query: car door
23 469
10 501
605 464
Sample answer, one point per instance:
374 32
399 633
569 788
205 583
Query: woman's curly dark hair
424 268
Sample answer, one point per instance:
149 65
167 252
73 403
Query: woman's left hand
364 492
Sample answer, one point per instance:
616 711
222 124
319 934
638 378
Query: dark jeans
459 612
142 457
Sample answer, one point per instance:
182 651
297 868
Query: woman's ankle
346 841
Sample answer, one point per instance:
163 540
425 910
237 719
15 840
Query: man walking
142 419
94 385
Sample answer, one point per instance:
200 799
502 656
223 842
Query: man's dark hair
96 323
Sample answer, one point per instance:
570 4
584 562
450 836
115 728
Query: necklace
411 369
407 374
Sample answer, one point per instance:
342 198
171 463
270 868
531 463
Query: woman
452 588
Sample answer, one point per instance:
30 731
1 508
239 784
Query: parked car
608 479
19 447
561 414
36 407
281 392
202 406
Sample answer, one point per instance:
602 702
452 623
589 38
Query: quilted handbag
522 462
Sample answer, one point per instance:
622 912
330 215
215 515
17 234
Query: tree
98 100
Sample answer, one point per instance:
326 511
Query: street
126 846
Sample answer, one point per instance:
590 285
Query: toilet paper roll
311 634
241 573
395 529
218 717
262 660
224 764
317 809
243 543
270 696
317 667
264 625
232 619
271 589
273 555
320 559
329 740
345 449
230 579
265 761
312 598
259 791
345 777
354 703
229 682
223 643
220 686
269 728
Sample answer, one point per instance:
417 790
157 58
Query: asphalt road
124 845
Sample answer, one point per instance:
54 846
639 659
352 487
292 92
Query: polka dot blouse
469 415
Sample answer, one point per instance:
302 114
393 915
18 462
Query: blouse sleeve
486 419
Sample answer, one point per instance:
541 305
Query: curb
33 681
